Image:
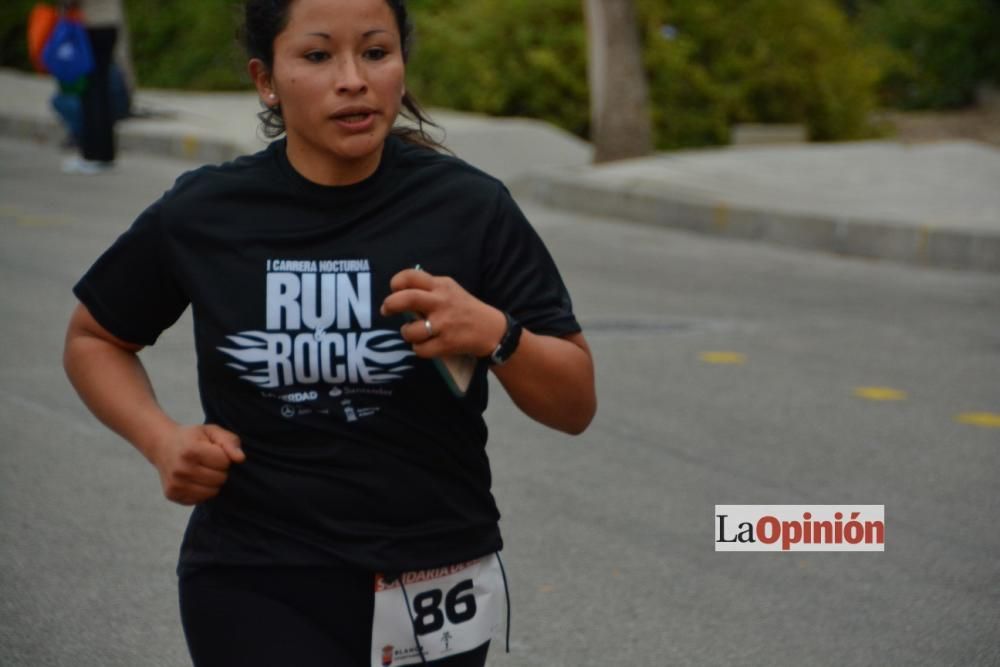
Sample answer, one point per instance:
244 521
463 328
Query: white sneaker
78 165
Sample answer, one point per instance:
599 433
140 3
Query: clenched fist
193 462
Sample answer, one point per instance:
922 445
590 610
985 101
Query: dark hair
265 19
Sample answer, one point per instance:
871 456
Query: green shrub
941 49
503 57
772 61
14 33
721 62
187 44
175 43
730 61
689 107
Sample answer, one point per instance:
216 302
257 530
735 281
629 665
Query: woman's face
338 76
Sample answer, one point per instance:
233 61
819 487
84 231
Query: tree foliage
710 63
760 61
187 44
503 57
13 33
937 52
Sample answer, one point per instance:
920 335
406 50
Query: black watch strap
508 343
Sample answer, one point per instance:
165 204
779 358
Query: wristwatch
508 343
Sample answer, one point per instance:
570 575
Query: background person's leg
97 142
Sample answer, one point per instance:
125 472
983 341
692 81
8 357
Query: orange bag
41 22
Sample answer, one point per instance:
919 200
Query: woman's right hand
193 461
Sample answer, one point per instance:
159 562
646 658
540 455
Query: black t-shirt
357 452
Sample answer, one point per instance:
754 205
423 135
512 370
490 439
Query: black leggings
276 617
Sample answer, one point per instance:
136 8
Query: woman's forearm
193 461
552 381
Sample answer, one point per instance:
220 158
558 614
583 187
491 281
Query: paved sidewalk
214 127
934 204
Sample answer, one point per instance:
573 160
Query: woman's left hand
449 319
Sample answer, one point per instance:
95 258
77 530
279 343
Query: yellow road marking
880 394
923 241
984 419
40 221
23 219
734 358
190 145
720 217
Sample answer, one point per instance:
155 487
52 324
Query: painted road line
24 219
731 358
983 419
880 394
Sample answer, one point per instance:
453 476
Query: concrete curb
576 188
654 203
131 137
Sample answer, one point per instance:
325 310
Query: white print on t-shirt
318 330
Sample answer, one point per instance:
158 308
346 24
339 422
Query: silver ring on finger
429 328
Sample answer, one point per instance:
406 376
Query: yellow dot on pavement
984 419
723 358
720 217
190 145
880 394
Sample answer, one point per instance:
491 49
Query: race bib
451 610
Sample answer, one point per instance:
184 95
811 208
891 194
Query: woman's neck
322 168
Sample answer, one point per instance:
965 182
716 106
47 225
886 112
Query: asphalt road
728 373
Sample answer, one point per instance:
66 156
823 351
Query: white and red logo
800 527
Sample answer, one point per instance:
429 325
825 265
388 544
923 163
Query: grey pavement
609 536
931 204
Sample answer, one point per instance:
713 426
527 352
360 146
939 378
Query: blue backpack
67 54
